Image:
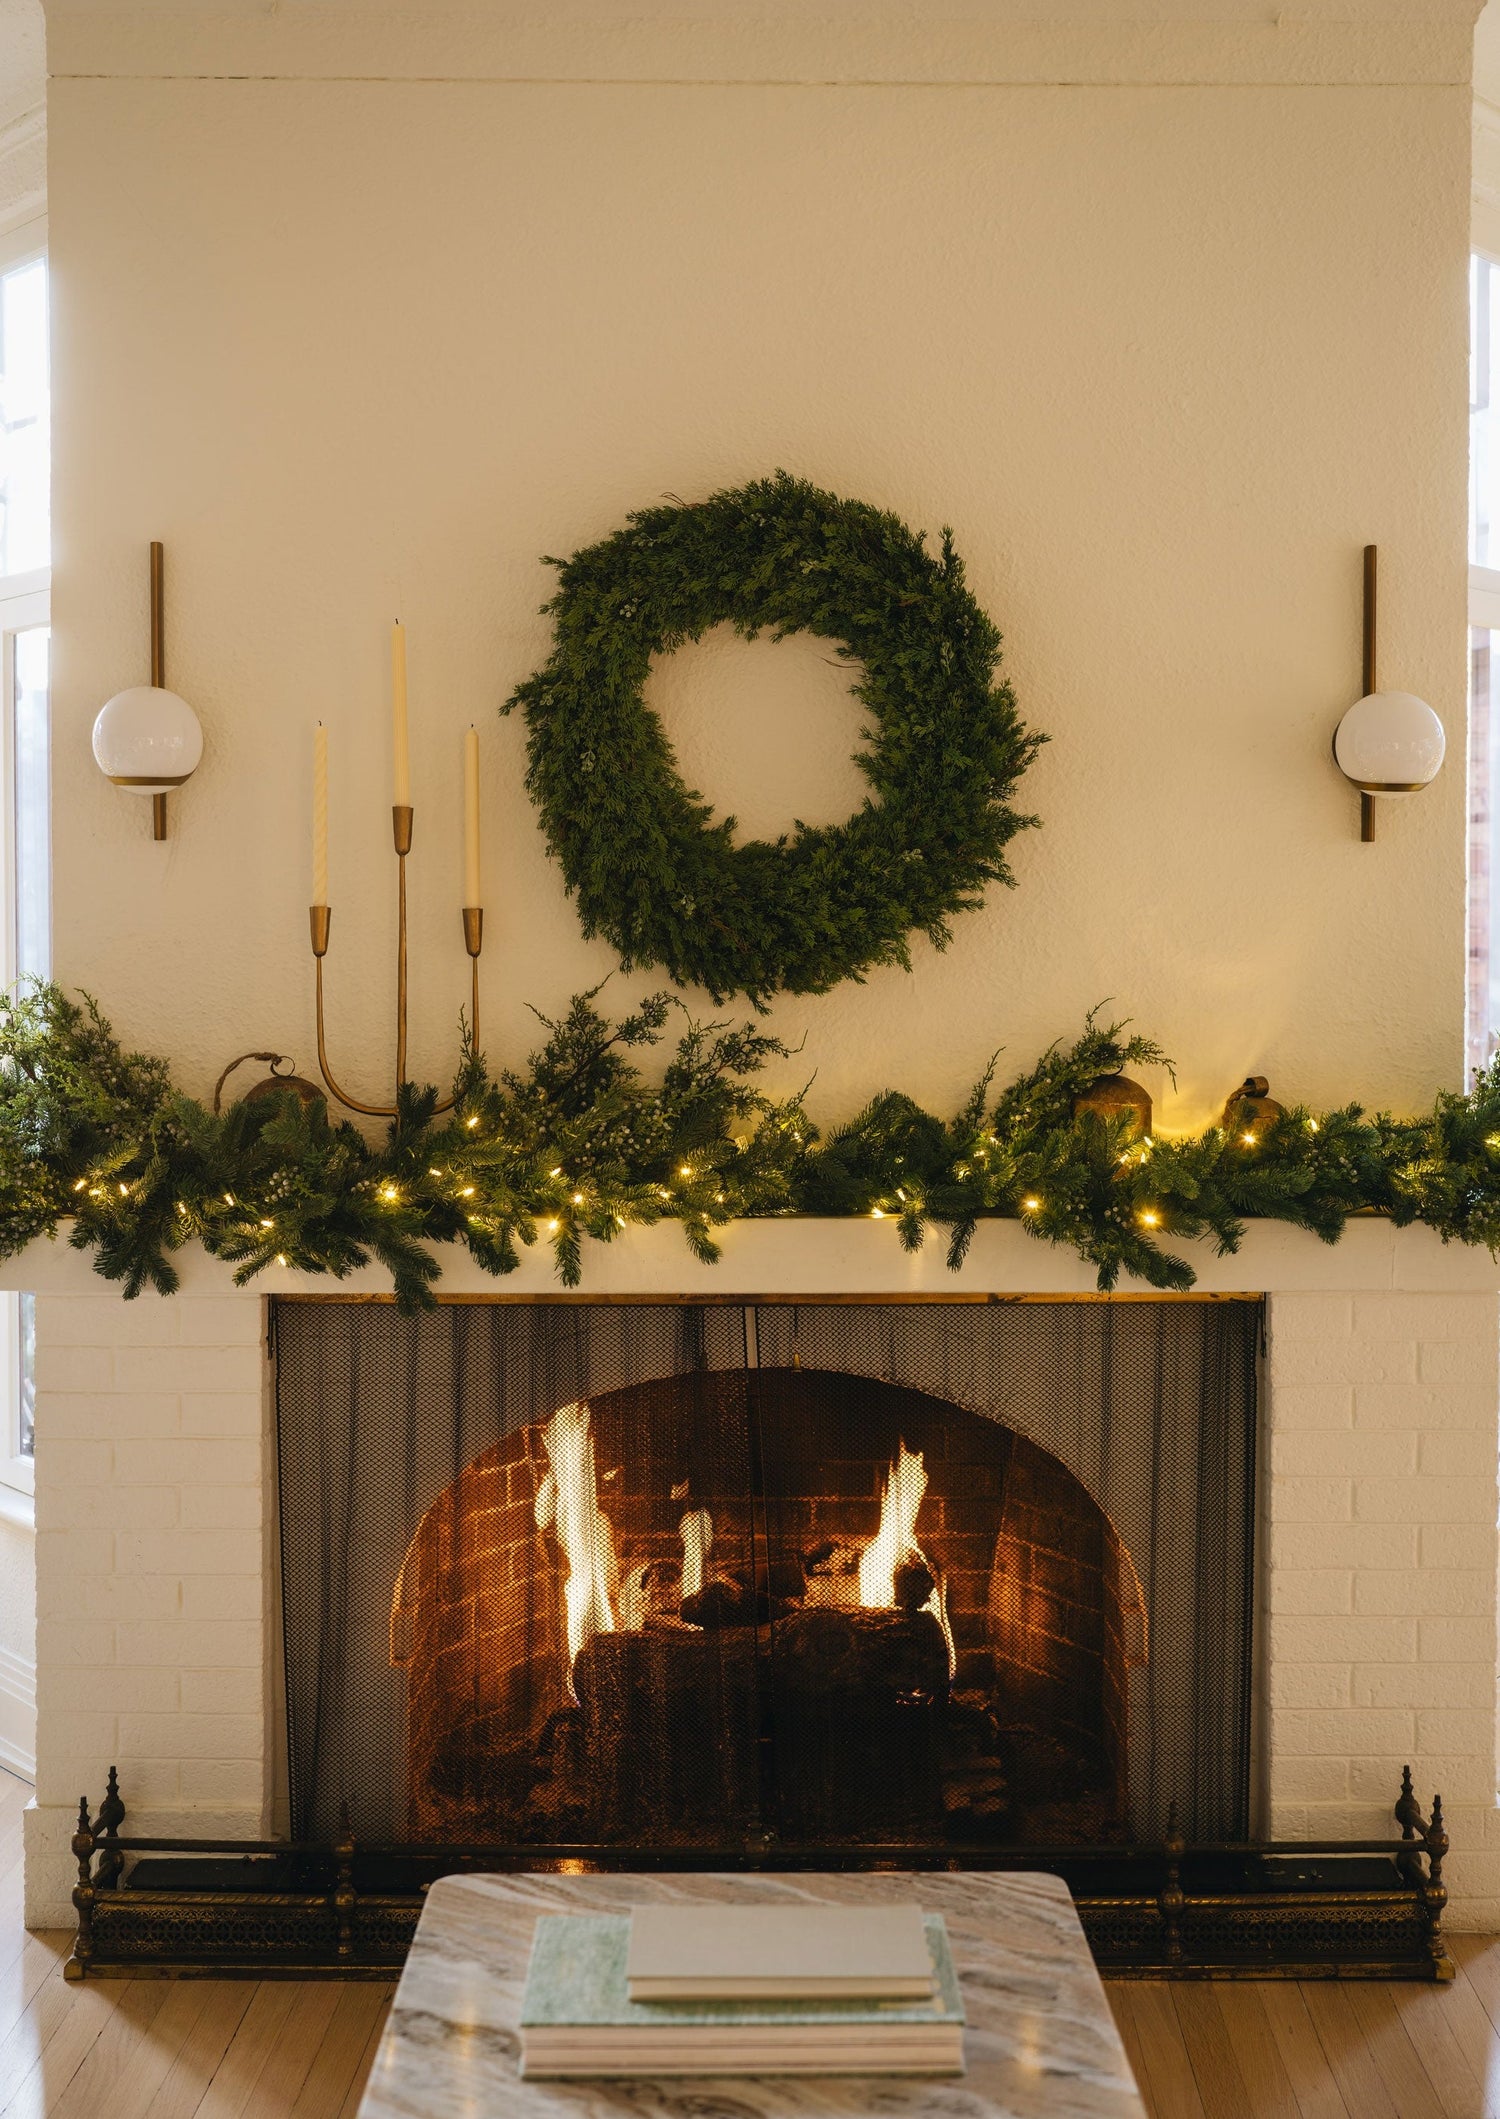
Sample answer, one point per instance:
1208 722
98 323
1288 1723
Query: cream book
778 1953
578 2019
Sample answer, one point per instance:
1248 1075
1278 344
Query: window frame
25 603
27 240
1484 598
19 612
19 246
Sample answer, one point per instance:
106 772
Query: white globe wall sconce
146 739
1389 743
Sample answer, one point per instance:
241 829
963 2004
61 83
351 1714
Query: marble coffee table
1040 2038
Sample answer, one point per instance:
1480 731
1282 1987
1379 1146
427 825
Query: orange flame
697 1528
568 1501
896 1541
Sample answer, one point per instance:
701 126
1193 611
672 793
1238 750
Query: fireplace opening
849 1611
678 1578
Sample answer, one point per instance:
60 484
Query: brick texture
1379 1585
1041 1598
151 1583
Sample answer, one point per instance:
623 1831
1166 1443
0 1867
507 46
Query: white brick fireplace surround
1379 1512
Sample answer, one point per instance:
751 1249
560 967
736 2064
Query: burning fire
697 1538
896 1539
895 1545
568 1500
595 1600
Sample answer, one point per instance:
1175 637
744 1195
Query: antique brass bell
1250 1110
306 1092
1117 1096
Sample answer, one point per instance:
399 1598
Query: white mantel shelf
809 1257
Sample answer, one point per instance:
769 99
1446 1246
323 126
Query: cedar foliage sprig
579 1145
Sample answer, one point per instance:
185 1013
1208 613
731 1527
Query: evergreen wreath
580 1144
652 871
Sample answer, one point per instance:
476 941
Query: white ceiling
23 59
1487 53
1005 12
23 70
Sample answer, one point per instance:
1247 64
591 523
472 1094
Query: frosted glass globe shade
147 740
1389 743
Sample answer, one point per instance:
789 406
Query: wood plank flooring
1319 2050
280 2049
164 2048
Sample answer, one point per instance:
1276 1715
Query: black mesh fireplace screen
697 1576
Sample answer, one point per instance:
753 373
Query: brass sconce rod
145 739
158 666
1366 800
320 920
1388 743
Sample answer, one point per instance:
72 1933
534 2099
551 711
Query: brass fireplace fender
1171 1910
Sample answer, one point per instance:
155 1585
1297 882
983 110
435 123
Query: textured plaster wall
1165 329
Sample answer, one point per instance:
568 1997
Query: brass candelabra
319 918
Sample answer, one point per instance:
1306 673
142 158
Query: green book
577 2018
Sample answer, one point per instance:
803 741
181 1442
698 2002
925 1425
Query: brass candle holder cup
320 920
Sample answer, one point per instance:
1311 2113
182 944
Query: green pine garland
580 1145
943 751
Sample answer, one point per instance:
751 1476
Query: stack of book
742 1990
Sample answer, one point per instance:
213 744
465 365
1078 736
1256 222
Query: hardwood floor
165 2048
1319 2050
243 2049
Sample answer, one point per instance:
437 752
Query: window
25 809
25 423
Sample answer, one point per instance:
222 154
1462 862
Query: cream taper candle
320 815
401 750
471 818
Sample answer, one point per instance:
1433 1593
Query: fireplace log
859 1700
719 1604
914 1582
670 1728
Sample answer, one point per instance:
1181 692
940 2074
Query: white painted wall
1166 319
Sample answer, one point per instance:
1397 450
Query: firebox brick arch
993 1684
